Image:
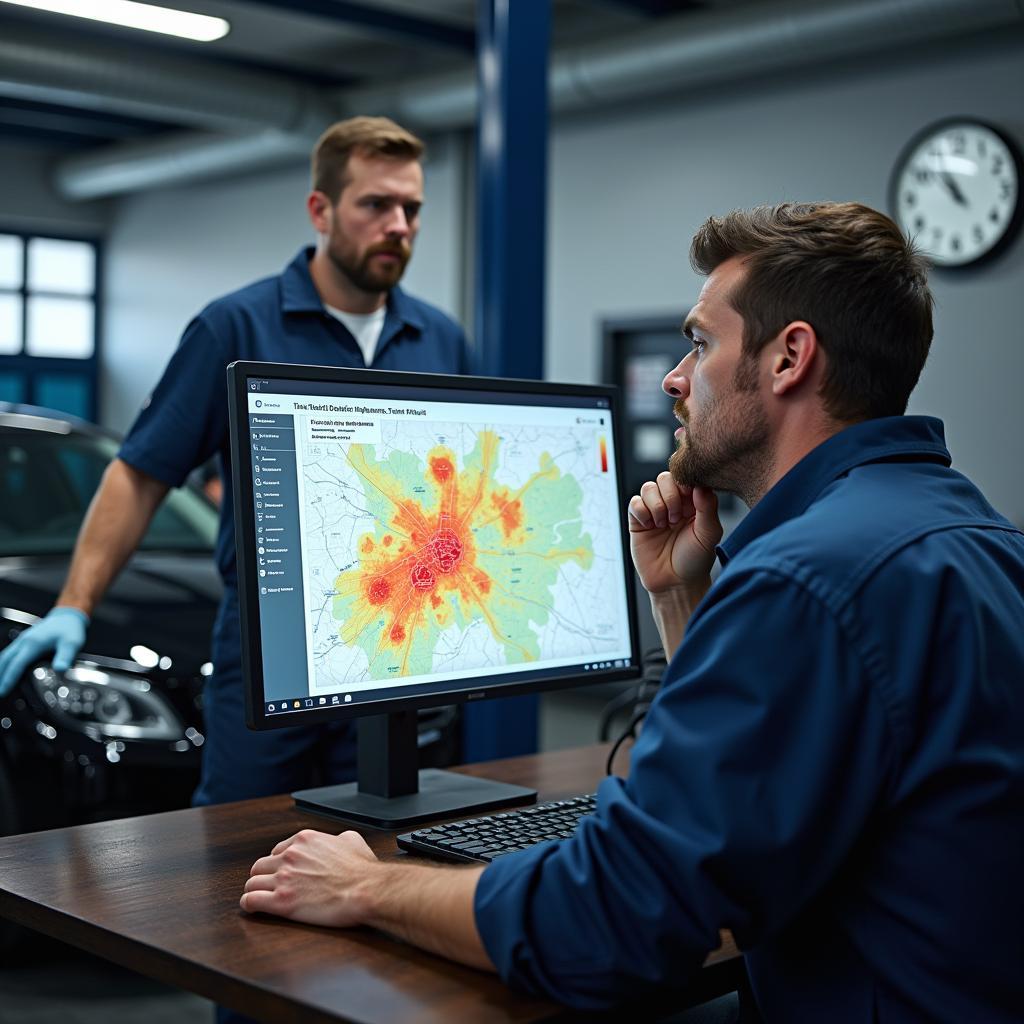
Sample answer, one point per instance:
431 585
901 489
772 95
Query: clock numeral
1005 189
922 176
919 223
959 142
954 243
993 215
978 234
997 164
910 198
982 148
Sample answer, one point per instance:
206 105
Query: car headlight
106 704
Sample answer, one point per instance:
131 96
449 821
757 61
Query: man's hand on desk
315 878
337 881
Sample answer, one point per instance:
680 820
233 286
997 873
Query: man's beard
364 272
727 448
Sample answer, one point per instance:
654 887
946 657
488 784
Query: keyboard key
486 838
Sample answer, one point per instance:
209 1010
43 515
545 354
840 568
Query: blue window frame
50 321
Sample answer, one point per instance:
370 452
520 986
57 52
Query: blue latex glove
61 631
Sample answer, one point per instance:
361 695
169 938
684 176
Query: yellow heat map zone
453 547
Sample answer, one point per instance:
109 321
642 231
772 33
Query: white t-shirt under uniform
365 328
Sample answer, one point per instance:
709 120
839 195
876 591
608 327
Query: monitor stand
391 792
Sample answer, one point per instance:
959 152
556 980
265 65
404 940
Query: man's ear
318 206
796 356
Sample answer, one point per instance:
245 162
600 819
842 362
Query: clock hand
954 189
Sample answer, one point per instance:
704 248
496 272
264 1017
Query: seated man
834 766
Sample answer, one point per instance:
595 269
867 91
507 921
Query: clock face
956 192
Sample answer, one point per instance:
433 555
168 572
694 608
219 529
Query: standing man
338 304
834 766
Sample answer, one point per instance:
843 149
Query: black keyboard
481 840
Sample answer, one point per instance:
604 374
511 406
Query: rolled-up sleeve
756 769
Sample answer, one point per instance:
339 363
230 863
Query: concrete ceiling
317 43
128 111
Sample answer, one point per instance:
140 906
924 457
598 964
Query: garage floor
45 982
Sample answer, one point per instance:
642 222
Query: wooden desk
159 894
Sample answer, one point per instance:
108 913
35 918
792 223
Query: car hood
164 601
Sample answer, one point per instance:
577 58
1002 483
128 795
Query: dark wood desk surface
159 894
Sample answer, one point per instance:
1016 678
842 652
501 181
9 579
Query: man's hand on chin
316 878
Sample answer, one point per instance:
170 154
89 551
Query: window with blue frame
49 322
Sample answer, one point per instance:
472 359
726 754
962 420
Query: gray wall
629 189
170 252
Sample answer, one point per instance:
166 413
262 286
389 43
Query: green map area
451 547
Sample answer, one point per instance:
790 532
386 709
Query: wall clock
956 190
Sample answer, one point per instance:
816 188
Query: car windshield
47 480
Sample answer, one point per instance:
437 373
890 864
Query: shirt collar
401 307
299 294
918 438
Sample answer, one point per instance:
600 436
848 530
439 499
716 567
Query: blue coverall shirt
184 422
833 768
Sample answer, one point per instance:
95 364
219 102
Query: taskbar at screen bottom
320 702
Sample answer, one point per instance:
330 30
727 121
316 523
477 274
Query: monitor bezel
257 718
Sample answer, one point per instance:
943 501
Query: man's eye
698 346
411 211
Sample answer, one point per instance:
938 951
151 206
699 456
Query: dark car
121 732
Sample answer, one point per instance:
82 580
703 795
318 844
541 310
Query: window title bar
339 391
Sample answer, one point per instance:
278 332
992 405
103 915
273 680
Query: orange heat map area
450 548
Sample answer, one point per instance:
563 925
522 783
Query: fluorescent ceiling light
131 14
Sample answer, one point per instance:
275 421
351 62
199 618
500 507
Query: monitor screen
412 540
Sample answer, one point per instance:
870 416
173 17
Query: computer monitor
408 541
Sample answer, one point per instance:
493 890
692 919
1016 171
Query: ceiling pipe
700 49
692 50
775 37
183 157
77 72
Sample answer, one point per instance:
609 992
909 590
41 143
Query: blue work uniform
184 422
833 768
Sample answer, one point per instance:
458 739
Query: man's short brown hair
368 136
851 274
